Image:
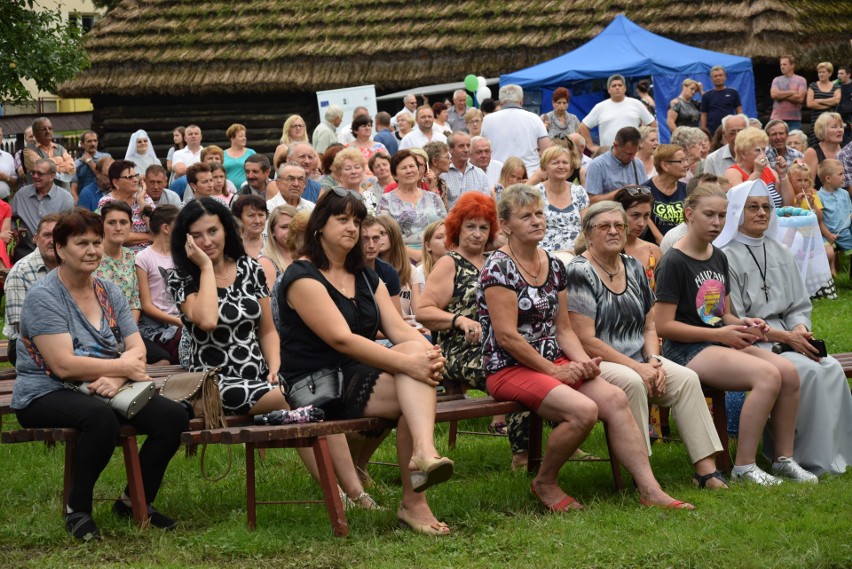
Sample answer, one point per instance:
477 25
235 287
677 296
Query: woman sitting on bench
75 327
532 355
224 303
331 307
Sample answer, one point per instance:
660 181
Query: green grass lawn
496 522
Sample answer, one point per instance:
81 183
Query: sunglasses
343 192
637 190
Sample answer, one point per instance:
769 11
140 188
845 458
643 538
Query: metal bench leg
251 496
613 462
534 451
328 482
134 480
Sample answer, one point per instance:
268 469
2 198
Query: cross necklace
763 271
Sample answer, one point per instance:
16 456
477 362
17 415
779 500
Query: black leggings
162 420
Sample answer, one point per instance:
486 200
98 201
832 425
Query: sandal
582 455
499 428
431 471
362 501
405 521
563 505
673 505
702 481
82 526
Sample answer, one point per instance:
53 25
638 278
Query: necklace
599 264
337 286
226 277
517 260
765 287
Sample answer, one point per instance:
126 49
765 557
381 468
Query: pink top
785 110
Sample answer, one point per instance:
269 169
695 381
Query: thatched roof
186 47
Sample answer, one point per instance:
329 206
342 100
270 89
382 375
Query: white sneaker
755 475
793 471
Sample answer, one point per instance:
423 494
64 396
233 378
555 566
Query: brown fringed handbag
198 392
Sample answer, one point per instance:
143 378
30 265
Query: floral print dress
563 225
413 218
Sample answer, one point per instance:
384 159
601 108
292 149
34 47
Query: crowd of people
586 277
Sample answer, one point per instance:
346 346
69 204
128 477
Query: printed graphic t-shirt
698 288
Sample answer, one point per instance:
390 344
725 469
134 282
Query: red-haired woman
559 122
448 303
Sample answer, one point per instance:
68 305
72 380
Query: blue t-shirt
719 104
90 196
50 309
312 191
387 138
178 186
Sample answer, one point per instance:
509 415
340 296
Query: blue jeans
793 125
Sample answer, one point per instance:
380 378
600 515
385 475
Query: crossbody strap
373 296
109 313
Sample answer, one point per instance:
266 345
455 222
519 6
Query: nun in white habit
766 283
140 151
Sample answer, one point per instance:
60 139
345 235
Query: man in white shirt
190 154
723 158
613 114
409 105
423 134
8 176
514 131
291 184
480 156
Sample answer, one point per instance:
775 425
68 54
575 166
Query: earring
317 233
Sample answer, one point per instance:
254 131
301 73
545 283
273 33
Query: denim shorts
682 353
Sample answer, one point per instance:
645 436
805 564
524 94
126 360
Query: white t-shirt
514 131
276 200
7 166
186 156
416 139
610 117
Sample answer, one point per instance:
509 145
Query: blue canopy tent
632 51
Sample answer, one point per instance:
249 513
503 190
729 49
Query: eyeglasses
637 190
754 208
37 174
129 177
681 161
619 226
291 179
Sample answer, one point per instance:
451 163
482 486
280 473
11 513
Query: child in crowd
805 196
837 205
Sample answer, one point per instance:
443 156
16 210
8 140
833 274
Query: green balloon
469 101
471 83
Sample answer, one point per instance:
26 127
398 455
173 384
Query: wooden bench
845 359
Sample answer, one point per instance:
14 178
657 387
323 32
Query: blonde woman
648 142
683 111
433 249
294 130
234 157
514 172
275 255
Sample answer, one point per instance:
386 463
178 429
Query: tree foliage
38 45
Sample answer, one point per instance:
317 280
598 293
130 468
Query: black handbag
322 388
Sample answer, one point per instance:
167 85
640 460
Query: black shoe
155 518
82 526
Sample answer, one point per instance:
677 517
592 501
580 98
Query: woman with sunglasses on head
611 306
637 202
127 186
331 309
693 315
668 191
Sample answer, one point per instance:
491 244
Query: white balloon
480 82
484 92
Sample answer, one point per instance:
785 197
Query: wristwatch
653 357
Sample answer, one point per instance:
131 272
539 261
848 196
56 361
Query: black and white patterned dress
233 345
563 225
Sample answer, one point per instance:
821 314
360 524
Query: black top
698 288
302 351
667 211
389 276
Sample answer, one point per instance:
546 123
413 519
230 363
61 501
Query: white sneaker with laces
755 475
793 471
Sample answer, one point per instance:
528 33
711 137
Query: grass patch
495 521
